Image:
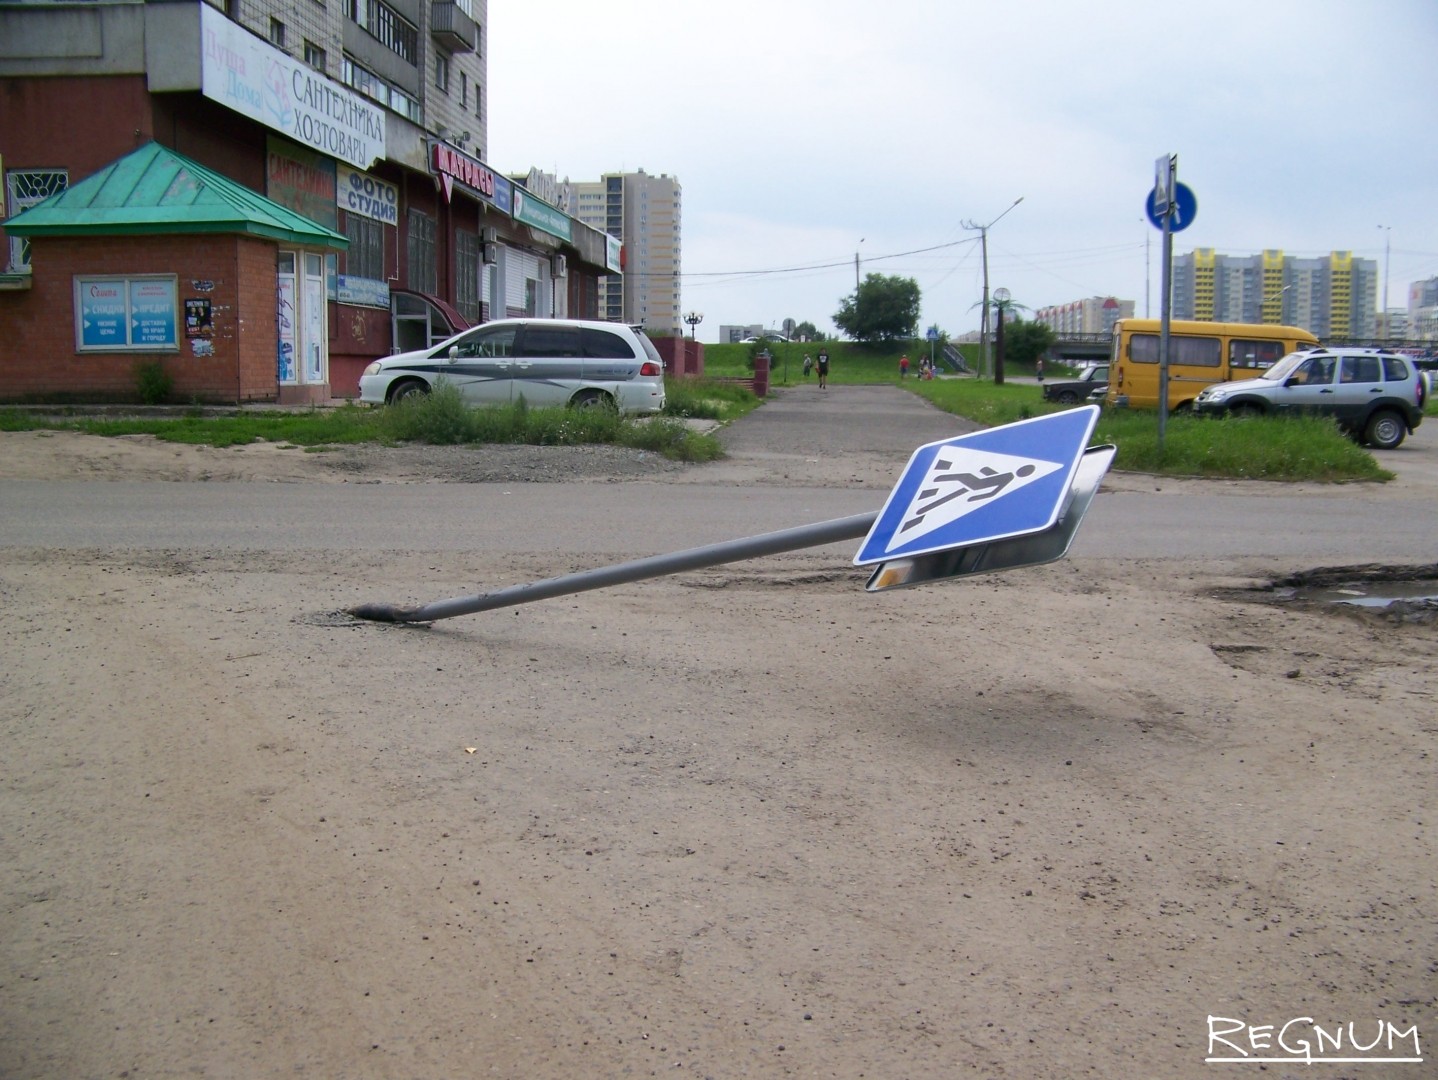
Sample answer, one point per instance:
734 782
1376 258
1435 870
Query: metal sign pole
1165 210
751 547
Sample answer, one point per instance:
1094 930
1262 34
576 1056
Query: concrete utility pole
983 231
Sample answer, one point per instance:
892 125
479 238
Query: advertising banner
541 215
255 79
302 180
360 193
126 314
366 292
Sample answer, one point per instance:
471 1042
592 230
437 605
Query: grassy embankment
1274 449
1277 448
440 417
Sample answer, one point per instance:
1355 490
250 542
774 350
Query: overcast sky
804 131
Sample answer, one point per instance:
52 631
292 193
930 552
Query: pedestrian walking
808 364
903 367
823 369
1039 369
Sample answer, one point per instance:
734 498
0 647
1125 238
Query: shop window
419 248
365 257
466 275
115 313
23 189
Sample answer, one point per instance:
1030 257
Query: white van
546 362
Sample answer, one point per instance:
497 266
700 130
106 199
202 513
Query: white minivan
546 362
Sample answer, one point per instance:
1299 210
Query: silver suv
1375 395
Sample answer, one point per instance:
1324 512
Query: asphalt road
1144 517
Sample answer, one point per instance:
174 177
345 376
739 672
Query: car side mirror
1292 380
453 353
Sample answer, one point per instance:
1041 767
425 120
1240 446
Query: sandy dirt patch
740 822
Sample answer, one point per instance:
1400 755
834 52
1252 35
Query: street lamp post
856 272
983 231
694 318
1383 304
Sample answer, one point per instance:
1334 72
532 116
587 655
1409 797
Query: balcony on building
451 28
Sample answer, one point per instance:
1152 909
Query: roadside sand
739 822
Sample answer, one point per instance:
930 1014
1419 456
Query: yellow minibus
1199 354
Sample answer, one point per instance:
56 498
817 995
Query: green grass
440 418
1270 448
849 362
1266 448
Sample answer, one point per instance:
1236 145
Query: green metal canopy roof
155 191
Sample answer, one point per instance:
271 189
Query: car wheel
592 399
1245 411
407 388
1385 430
1067 397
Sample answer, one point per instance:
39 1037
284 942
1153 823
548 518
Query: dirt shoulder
747 821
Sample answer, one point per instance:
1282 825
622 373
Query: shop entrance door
302 352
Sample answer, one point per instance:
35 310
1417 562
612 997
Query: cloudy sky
806 131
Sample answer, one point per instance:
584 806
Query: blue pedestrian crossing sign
991 485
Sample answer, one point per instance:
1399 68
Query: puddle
1373 594
1396 593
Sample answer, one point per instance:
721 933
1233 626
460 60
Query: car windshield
1284 368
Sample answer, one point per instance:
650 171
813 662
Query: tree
882 309
807 331
1025 342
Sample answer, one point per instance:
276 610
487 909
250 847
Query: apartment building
340 149
1332 296
645 213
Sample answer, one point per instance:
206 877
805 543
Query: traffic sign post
1171 206
997 499
989 485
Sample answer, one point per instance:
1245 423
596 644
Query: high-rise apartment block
1333 296
645 213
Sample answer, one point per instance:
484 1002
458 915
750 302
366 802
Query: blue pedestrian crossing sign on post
991 485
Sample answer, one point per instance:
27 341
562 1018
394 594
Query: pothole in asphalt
1407 594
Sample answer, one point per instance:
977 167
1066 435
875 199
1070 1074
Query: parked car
1072 391
1376 395
545 361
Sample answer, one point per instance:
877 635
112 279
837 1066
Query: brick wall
39 357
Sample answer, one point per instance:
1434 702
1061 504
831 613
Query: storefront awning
155 191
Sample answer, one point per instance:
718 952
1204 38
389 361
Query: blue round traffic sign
1185 209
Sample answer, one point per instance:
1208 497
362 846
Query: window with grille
23 189
419 248
365 257
387 26
466 274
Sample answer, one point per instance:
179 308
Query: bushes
153 383
442 417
